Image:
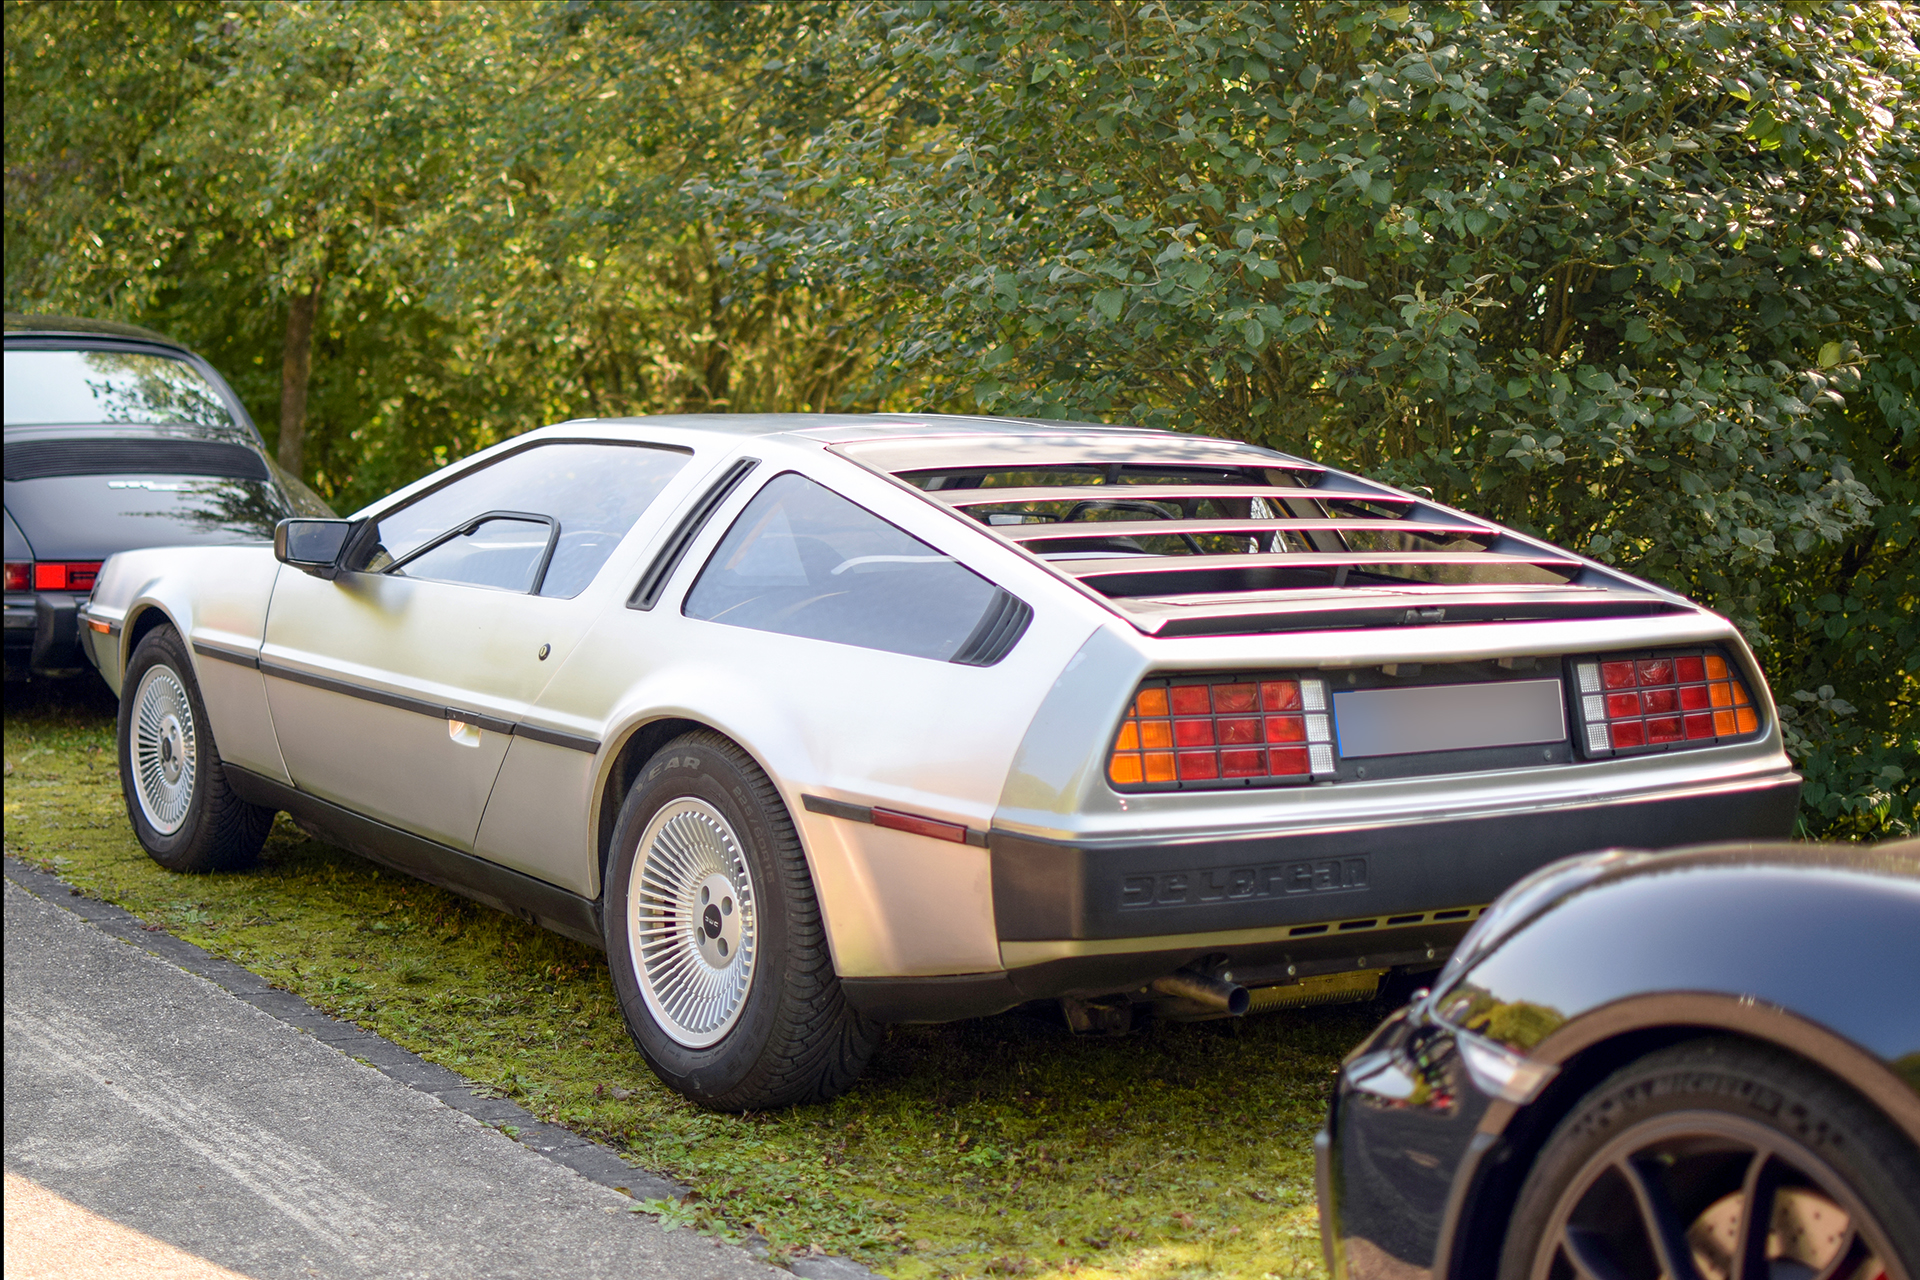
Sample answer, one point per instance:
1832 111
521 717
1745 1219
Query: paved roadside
146 1096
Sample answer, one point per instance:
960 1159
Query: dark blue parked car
1701 1065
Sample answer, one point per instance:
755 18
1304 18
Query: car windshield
57 387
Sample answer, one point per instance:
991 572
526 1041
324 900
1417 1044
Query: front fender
217 598
1816 951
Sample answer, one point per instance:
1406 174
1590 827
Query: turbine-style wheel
690 922
184 814
715 942
165 748
1717 1160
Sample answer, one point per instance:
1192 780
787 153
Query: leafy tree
1634 276
471 213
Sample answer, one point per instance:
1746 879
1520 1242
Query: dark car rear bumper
1046 890
1312 904
43 634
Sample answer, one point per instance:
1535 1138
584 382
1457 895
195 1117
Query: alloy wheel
165 749
1709 1196
692 929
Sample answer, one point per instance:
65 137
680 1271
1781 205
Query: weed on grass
1001 1146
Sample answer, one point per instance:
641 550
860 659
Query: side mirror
312 546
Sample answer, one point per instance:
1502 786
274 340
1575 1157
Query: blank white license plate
1448 717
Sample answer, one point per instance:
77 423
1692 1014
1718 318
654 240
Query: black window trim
462 530
660 571
370 524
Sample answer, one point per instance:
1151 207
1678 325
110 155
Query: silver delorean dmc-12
817 723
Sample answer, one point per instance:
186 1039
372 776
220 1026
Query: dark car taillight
61 575
19 575
1223 731
1631 704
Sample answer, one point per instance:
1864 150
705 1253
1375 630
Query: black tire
215 830
1684 1136
791 1037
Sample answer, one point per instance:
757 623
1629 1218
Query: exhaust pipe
1204 990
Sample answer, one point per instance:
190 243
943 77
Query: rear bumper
43 634
1098 919
1046 890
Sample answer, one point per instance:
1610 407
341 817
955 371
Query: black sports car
117 438
1700 1065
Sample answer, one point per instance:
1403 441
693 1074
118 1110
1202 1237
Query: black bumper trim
1051 891
949 998
942 999
498 887
52 639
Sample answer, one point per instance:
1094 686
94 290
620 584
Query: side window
543 519
803 561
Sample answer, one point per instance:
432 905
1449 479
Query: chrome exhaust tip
1204 990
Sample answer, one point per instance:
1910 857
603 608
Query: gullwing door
397 687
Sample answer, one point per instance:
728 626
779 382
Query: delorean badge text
1243 884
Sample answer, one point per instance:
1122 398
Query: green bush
1637 277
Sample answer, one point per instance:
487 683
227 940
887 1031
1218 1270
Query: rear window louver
1266 550
42 459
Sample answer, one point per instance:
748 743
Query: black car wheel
1717 1160
715 941
184 814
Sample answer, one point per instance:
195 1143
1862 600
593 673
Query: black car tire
161 711
1671 1136
790 1037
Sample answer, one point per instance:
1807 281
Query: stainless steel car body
504 727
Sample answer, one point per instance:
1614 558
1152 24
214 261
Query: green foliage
486 196
1638 277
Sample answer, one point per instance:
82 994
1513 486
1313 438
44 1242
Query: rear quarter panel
856 725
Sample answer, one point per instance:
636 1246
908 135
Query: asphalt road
165 1113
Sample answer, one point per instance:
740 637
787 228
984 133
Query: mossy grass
1003 1146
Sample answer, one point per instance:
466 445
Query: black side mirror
312 546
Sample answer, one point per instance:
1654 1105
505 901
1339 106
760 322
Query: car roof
981 467
893 441
45 326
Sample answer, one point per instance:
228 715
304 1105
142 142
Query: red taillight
19 575
1224 731
1657 703
61 575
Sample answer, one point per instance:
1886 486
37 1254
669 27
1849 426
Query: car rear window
803 561
91 387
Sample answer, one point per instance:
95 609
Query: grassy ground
1003 1146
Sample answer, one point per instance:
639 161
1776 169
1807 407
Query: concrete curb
562 1146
